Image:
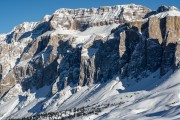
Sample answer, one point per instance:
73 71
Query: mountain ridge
104 50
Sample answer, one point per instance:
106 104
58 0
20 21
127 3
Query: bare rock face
154 29
80 19
14 91
67 47
171 36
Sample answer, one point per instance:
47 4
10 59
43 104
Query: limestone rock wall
138 46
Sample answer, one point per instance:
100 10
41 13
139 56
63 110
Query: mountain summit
112 62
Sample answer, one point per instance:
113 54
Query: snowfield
151 98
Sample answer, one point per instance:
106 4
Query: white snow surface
84 36
167 13
2 36
25 27
151 98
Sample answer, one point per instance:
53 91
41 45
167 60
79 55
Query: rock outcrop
81 19
57 51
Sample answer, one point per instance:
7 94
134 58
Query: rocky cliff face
81 19
86 46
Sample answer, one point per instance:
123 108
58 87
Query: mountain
112 62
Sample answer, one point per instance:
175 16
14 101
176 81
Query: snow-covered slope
167 13
159 100
153 98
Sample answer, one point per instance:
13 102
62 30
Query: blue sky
14 12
